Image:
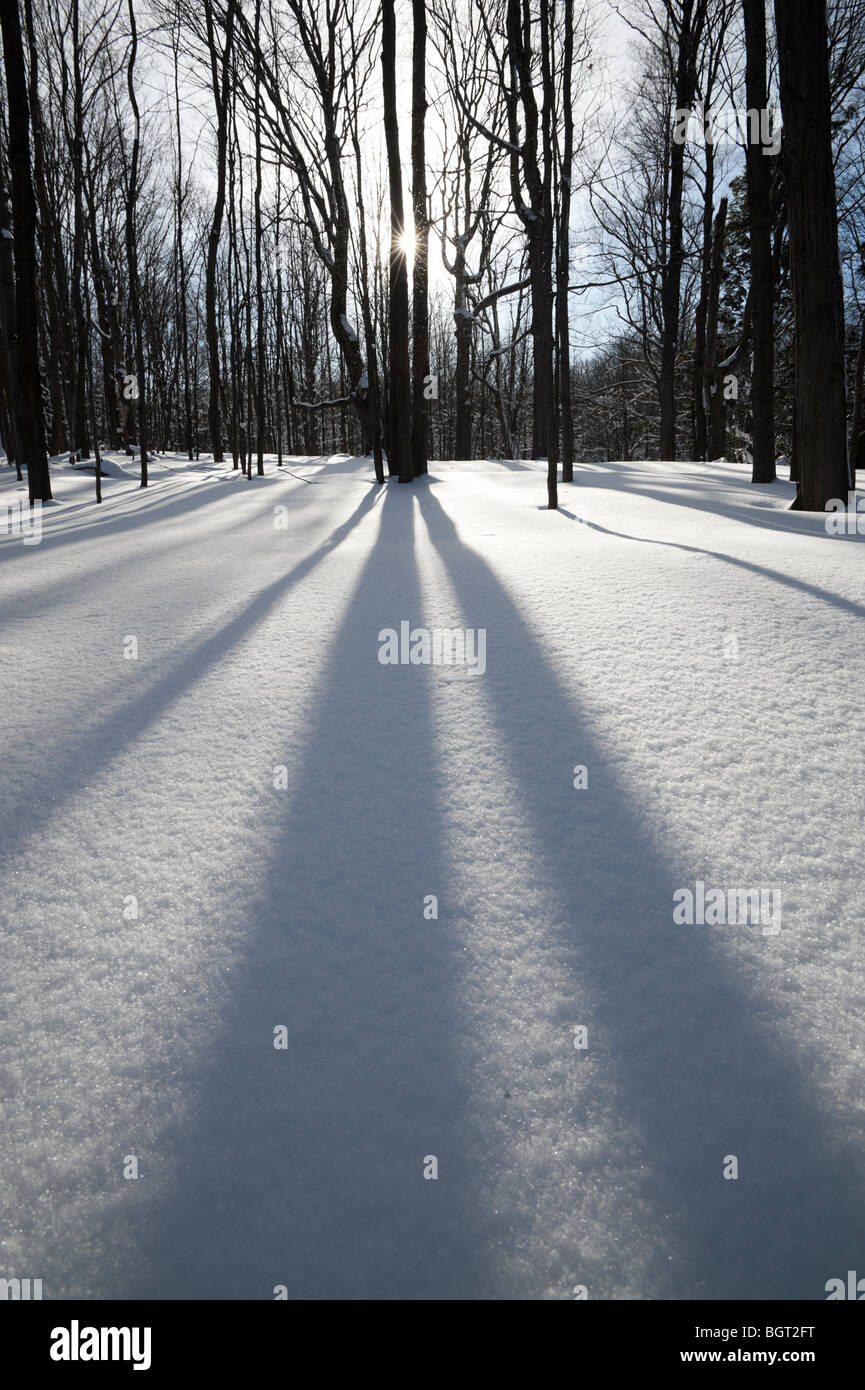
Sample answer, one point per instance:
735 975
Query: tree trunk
700 397
374 416
82 348
690 26
181 264
758 171
277 366
97 457
132 250
713 387
537 222
259 279
49 253
462 391
29 424
219 74
420 287
109 338
818 305
563 276
400 378
8 361
856 440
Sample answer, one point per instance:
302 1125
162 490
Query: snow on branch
322 405
497 352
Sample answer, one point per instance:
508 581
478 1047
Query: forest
554 230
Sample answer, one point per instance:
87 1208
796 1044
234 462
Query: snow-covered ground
680 634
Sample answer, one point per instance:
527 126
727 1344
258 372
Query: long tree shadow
695 1061
304 1167
69 528
513 465
132 510
72 766
846 605
56 592
637 483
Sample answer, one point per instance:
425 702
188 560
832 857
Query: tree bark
563 267
420 283
49 253
29 424
132 249
259 279
818 305
713 386
183 324
220 63
689 30
109 333
856 440
398 334
374 398
536 217
700 399
758 173
79 385
8 362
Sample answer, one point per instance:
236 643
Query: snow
608 645
119 465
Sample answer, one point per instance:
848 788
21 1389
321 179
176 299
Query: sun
406 243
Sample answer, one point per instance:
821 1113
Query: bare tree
181 279
399 431
306 119
132 247
259 280
8 363
471 156
682 27
531 170
220 69
29 431
420 277
820 441
563 248
758 169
